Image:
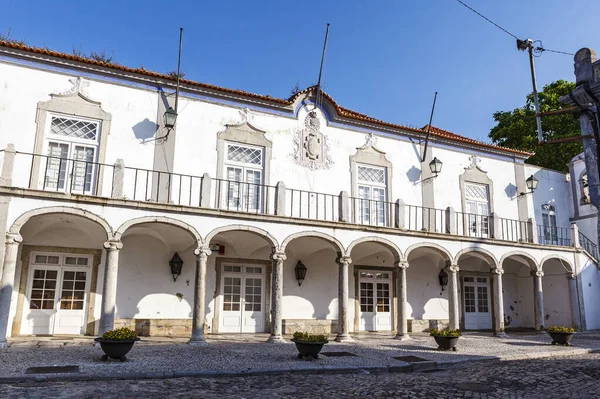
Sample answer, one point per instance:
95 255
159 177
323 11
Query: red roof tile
344 112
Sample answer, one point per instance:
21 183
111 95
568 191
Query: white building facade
288 214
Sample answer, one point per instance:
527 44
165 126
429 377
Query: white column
538 299
198 312
109 291
453 302
402 322
277 297
497 273
7 283
343 335
573 294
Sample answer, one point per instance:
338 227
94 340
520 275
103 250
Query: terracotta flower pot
116 349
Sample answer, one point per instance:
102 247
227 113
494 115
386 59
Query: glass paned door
56 297
70 167
244 189
478 209
476 303
243 299
375 301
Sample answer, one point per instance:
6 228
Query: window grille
242 154
74 128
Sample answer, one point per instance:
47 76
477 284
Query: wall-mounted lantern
176 263
531 184
435 166
300 271
170 117
443 276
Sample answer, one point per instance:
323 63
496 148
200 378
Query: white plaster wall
590 286
557 310
145 287
501 172
553 188
425 299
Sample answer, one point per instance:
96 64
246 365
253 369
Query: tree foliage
517 128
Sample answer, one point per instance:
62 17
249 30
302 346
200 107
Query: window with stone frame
477 208
371 189
71 154
244 173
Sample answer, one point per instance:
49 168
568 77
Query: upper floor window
244 171
477 208
372 189
550 230
585 190
72 150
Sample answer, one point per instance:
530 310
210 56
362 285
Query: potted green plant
309 345
446 339
117 343
561 335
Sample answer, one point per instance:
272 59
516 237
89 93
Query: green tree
517 129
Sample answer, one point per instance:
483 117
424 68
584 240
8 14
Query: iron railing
548 235
589 246
512 230
312 205
372 212
420 218
79 176
473 225
73 176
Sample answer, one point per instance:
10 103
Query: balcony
81 177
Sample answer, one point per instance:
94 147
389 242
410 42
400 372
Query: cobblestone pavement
168 357
563 377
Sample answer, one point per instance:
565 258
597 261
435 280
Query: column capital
537 273
278 256
203 251
402 264
13 238
453 268
344 260
113 245
498 270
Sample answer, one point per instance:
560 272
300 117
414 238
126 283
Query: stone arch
485 253
562 260
531 259
240 227
438 248
24 218
394 249
158 219
334 241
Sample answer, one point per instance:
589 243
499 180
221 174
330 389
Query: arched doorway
239 273
61 254
375 284
476 289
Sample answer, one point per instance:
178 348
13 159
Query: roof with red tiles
341 111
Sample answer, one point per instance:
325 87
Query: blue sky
385 58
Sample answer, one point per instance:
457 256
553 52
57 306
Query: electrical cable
487 19
540 49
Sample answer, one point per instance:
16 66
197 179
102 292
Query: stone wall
290 326
158 327
425 325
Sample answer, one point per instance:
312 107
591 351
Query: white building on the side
288 214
